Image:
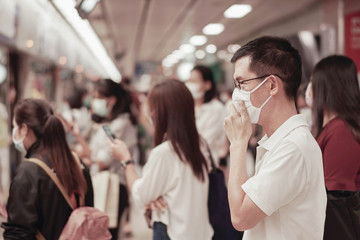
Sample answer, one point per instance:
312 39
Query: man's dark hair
273 55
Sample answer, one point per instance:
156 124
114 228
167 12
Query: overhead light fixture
29 43
237 11
198 40
211 48
200 54
85 7
88 35
178 54
187 48
232 48
62 60
213 29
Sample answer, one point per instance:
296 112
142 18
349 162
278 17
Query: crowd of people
301 166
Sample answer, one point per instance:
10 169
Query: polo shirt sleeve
155 180
280 178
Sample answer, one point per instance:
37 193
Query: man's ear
275 85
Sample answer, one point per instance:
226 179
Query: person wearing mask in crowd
209 111
175 176
286 198
75 113
111 105
334 96
35 202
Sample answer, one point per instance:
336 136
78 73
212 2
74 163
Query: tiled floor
140 230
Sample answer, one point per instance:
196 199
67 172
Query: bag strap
53 176
213 166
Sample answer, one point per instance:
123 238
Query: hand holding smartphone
108 132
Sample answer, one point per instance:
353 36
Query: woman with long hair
335 98
35 202
209 111
176 173
112 106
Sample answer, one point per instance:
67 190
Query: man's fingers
232 108
242 109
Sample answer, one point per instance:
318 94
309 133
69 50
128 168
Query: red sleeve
341 156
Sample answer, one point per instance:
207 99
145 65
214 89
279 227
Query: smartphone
108 132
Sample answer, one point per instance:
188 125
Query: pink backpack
84 223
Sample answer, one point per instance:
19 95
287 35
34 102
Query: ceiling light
62 60
88 35
198 40
211 48
184 70
237 11
213 29
29 43
221 54
200 54
178 54
232 48
187 48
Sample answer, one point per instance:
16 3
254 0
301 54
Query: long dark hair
335 87
51 141
109 88
172 110
207 76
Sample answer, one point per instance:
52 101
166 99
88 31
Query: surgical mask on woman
194 88
308 95
19 144
242 95
99 107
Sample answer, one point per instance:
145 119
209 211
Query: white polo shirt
288 185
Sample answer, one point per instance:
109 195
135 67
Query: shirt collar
289 125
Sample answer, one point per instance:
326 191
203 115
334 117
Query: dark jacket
35 203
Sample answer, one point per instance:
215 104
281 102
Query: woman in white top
111 105
176 173
209 111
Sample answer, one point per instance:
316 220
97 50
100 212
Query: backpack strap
53 176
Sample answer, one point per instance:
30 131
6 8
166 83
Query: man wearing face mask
286 198
209 111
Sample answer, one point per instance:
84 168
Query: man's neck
277 117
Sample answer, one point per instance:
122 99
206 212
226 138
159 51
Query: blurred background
49 47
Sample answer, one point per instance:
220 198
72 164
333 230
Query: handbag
342 215
218 206
106 195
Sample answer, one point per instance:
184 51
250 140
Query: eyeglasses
237 84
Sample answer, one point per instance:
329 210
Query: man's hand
237 125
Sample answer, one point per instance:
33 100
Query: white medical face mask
241 95
308 95
195 90
147 114
99 107
19 144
